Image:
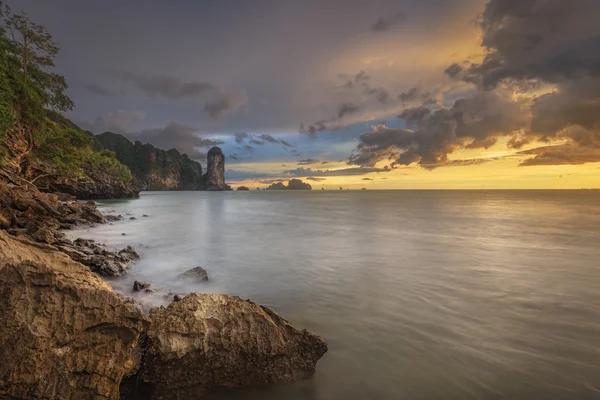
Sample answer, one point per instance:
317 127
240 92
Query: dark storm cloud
164 85
433 134
301 171
99 90
118 122
175 135
224 103
312 129
347 108
528 43
380 93
385 23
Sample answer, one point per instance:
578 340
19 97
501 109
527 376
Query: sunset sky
374 94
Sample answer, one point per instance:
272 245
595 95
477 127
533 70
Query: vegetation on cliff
35 140
153 168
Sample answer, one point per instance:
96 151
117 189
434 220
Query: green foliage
68 149
28 87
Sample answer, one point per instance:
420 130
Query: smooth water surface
419 294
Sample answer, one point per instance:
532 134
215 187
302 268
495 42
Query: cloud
99 90
268 138
315 179
367 179
224 103
240 136
286 144
301 171
312 129
182 137
530 45
119 122
432 134
234 157
347 108
385 23
164 85
308 161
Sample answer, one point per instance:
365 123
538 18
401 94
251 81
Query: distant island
293 184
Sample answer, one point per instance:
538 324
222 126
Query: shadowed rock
207 340
215 170
197 273
64 333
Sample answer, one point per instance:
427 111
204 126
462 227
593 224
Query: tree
35 48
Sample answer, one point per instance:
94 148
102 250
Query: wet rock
197 273
65 332
207 340
132 218
113 218
138 286
99 259
123 234
145 216
177 297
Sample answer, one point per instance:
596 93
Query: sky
404 94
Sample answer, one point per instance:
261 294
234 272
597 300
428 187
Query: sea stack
215 170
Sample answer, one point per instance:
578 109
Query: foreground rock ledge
64 333
208 340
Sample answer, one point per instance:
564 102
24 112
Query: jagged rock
197 273
64 333
138 286
113 218
154 169
215 170
177 297
293 184
98 258
209 340
242 188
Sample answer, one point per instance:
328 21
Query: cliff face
58 156
152 168
215 170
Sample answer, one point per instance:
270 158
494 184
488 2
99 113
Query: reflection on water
420 294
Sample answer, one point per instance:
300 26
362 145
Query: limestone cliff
215 170
152 168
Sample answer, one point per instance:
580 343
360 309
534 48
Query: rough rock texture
215 170
64 333
97 185
27 212
98 258
154 169
197 273
209 340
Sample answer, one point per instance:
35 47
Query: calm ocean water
420 294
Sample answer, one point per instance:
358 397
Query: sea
419 294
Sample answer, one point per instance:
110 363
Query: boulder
207 340
138 286
197 273
243 188
64 333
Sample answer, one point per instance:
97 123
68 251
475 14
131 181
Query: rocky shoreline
76 338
